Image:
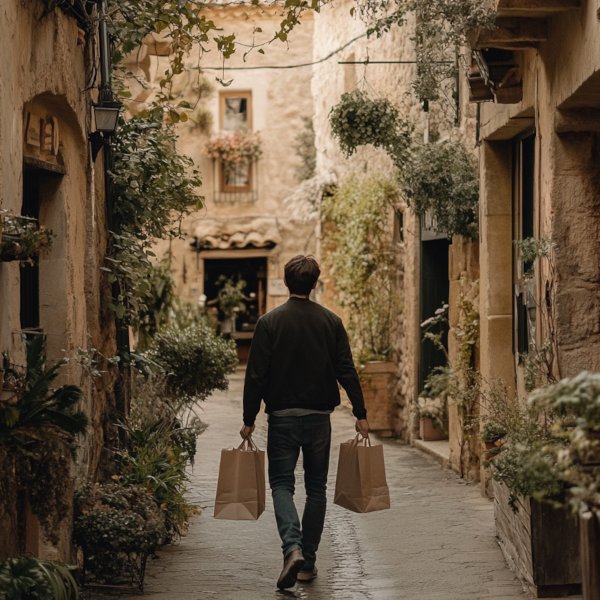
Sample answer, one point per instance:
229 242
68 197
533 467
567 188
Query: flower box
22 239
540 544
589 524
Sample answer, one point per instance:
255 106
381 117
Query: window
235 116
236 111
523 227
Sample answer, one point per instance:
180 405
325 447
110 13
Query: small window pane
235 114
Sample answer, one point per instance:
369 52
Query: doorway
253 272
435 289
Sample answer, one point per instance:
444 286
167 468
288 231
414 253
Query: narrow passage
436 543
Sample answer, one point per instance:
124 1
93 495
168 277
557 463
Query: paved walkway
436 543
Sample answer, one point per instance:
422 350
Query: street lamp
106 110
106 116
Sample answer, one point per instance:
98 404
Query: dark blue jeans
287 435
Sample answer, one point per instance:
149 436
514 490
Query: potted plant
193 361
432 405
38 428
576 401
492 434
536 531
23 239
358 120
432 418
117 527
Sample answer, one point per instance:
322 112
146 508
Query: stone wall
336 30
561 94
280 100
46 66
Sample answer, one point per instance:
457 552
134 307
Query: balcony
235 186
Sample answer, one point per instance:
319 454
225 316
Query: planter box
589 537
540 543
378 379
428 432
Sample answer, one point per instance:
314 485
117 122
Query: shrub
117 526
442 178
194 361
364 262
156 458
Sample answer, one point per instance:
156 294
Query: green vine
363 262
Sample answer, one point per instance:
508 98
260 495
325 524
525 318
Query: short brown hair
301 273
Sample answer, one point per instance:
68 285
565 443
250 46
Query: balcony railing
228 193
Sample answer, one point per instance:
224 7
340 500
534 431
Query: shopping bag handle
248 444
365 440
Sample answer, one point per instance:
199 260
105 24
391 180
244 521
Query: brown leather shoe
291 565
307 575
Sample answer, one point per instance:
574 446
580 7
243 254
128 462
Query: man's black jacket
299 353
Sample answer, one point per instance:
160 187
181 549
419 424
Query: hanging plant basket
359 120
23 239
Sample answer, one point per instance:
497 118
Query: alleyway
436 543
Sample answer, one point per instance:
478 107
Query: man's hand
362 427
246 431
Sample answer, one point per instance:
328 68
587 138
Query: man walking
299 353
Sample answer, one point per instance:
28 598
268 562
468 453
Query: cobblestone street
436 543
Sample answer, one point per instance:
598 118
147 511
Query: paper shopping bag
241 485
361 484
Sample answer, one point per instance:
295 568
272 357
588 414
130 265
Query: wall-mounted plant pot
378 379
589 547
428 432
540 543
11 251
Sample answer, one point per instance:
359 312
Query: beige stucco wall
45 69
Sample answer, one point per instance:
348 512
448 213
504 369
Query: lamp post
106 111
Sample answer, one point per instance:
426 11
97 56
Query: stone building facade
254 220
434 269
539 178
47 173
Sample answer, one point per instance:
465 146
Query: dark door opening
434 293
253 271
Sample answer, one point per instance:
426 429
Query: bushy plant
358 120
363 262
492 432
154 186
34 579
528 461
576 402
38 426
23 239
156 458
231 296
116 526
442 179
193 361
304 145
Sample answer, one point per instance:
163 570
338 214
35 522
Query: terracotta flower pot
428 432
